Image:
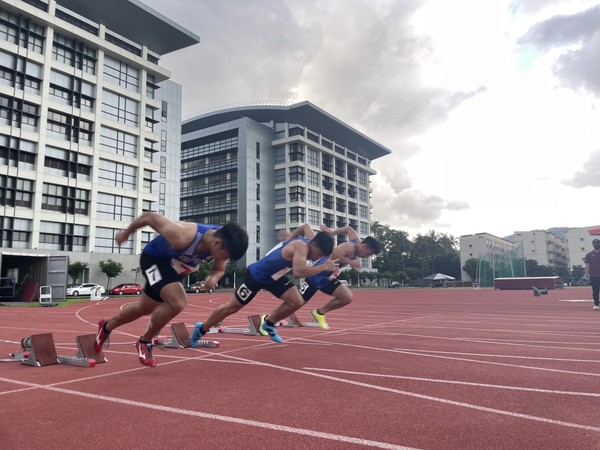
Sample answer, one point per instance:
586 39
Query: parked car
197 288
127 289
395 284
84 289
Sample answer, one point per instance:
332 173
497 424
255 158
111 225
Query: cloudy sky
491 108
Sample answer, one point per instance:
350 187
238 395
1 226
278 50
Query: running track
427 369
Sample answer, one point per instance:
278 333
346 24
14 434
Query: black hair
234 239
324 242
373 244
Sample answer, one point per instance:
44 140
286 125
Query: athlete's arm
178 234
303 230
299 250
347 230
344 253
216 273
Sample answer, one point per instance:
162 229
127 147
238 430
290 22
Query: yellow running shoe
320 319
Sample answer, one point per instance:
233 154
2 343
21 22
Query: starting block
293 321
252 330
537 292
39 350
180 338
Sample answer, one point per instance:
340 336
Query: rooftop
303 113
135 21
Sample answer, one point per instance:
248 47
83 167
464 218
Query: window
279 176
280 155
105 242
296 152
362 195
20 73
116 174
312 157
68 163
258 150
68 200
327 201
16 191
280 196
16 152
314 198
70 128
74 53
326 163
313 178
22 31
280 215
327 183
314 217
16 233
121 74
362 177
19 113
297 214
115 207
72 91
118 142
296 194
120 109
363 212
63 236
296 173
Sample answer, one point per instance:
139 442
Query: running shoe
265 328
596 307
196 335
102 336
320 319
144 351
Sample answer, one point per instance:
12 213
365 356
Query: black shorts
250 287
158 272
307 289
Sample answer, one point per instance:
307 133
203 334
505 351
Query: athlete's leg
342 297
292 301
132 312
174 301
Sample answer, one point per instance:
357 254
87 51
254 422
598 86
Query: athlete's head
234 240
321 245
368 247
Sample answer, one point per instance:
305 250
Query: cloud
588 177
576 68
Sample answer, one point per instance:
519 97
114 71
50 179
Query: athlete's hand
210 282
121 237
326 229
331 265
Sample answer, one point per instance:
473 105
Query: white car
83 289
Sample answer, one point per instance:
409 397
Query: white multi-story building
544 247
482 247
89 133
272 167
579 243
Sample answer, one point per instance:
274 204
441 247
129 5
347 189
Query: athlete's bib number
153 274
303 287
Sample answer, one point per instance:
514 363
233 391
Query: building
495 257
271 167
544 247
579 244
89 133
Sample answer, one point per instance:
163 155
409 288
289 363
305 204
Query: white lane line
494 355
462 383
228 419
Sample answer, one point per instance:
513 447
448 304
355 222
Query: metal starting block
252 330
293 321
39 350
180 338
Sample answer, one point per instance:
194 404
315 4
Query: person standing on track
592 271
347 253
177 251
270 273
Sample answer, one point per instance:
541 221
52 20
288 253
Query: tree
77 269
471 268
395 248
577 272
137 271
111 269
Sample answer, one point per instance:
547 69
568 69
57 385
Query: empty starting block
252 330
293 321
180 338
39 350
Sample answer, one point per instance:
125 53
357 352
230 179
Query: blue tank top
321 279
272 266
183 261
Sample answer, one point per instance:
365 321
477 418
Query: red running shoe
102 336
144 351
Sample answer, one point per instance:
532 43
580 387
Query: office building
89 133
274 167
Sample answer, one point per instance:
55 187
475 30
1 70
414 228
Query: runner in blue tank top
347 253
270 273
177 251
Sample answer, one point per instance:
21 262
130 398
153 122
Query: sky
491 109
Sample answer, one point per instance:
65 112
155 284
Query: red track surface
429 369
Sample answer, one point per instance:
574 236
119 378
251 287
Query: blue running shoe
270 330
196 335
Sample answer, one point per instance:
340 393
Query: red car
127 289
